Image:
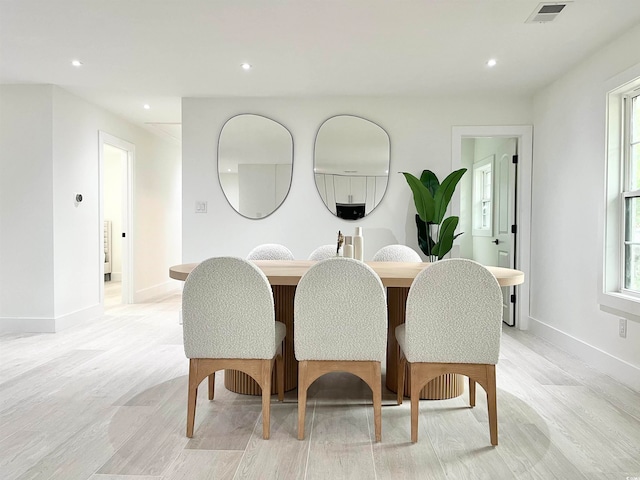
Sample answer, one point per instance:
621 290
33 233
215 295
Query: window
483 197
620 283
631 194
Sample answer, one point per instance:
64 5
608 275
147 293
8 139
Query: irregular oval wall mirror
351 165
255 160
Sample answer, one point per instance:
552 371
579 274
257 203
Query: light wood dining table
284 275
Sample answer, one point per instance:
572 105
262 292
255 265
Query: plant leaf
425 242
429 180
425 205
444 194
445 240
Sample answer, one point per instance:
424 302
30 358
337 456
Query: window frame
612 296
624 242
627 192
480 168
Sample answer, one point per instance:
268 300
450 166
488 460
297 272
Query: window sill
620 305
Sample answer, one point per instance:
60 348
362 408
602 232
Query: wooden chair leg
492 405
280 376
377 401
402 363
212 384
192 396
302 397
266 398
472 392
415 397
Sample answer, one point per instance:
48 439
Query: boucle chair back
270 251
396 253
340 312
323 252
228 311
454 314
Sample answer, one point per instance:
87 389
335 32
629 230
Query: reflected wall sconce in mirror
351 165
255 164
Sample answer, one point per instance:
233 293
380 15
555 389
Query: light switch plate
201 207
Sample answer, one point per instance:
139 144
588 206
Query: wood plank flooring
108 401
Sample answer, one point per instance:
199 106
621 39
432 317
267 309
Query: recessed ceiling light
76 63
492 62
146 106
246 66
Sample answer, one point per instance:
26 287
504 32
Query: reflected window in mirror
255 164
351 165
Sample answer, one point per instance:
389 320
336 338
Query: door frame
522 241
127 212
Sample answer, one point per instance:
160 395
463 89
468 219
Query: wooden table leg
239 382
396 305
446 386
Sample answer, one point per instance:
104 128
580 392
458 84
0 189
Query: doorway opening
116 157
487 201
494 204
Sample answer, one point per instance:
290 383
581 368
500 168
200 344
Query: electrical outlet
622 327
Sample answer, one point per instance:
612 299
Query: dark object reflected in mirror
351 165
350 211
255 164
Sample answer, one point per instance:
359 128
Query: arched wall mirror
351 165
255 163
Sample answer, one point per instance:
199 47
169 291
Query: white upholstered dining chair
397 253
270 251
453 325
229 322
323 252
340 324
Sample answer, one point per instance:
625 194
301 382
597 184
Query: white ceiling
157 51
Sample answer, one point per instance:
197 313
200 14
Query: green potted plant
435 233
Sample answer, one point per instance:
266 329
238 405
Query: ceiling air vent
546 12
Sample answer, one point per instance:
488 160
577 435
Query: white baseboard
27 325
49 325
152 293
602 361
79 316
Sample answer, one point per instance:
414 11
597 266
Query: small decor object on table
358 245
340 242
347 250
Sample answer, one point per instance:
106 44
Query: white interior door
504 217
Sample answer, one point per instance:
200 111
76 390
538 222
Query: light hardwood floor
108 401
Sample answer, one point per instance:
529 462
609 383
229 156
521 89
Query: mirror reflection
351 165
255 160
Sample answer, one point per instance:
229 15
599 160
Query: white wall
567 214
157 215
26 211
420 135
57 245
